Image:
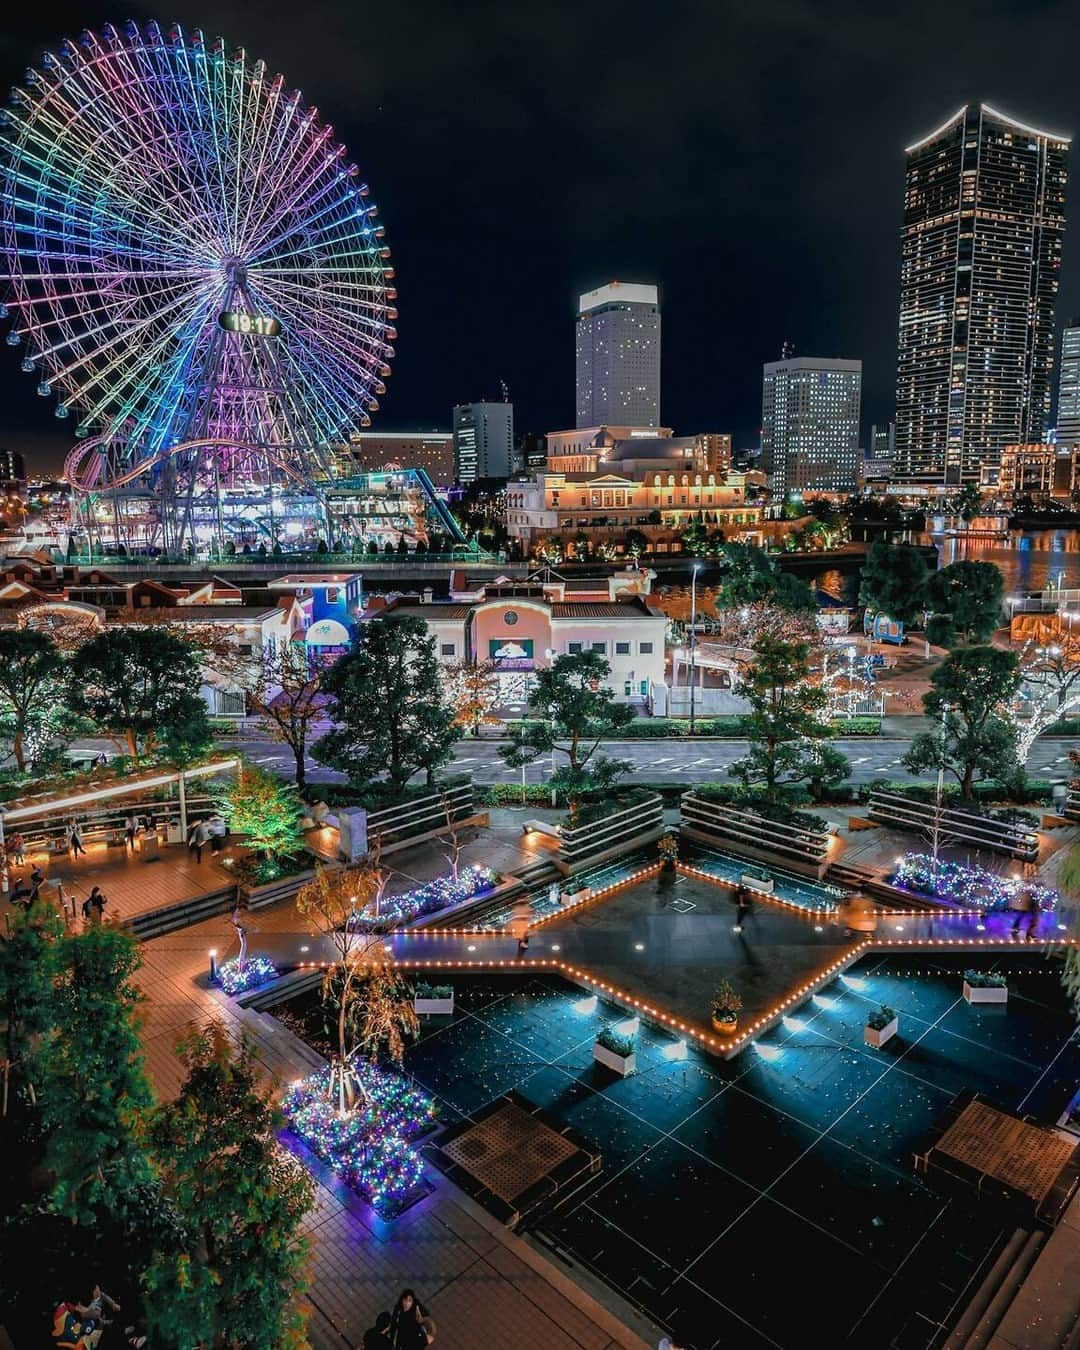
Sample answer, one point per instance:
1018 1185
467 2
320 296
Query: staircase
180 915
981 1318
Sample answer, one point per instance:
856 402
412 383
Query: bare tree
451 837
285 693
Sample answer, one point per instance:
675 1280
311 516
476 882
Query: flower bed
235 978
970 887
367 1147
430 898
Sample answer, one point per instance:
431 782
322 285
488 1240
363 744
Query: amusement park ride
196 272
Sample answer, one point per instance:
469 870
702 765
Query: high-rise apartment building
1068 410
810 424
618 356
984 214
483 441
882 445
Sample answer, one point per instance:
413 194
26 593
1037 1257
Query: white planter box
878 1038
618 1063
438 1006
986 993
756 883
577 897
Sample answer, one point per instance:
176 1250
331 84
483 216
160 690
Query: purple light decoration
235 978
969 887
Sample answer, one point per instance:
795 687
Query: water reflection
1029 561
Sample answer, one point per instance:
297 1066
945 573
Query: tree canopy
750 575
142 685
31 680
387 704
786 724
578 710
967 699
265 810
965 601
894 581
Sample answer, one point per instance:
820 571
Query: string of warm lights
428 899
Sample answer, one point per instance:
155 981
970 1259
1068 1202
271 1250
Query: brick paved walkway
484 1286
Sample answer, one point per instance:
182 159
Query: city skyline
693 206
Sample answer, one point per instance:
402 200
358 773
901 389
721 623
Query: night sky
745 156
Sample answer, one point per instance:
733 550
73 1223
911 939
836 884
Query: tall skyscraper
1068 411
618 356
810 424
984 214
882 442
483 440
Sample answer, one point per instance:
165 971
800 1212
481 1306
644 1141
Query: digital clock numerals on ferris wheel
238 321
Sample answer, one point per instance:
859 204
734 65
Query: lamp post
940 782
693 637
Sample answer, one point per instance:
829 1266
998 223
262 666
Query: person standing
97 903
74 838
131 828
378 1336
406 1330
1024 905
17 848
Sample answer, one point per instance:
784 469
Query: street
675 761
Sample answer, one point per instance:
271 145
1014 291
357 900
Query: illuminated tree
785 725
238 1273
473 691
263 809
334 904
285 692
1051 677
31 684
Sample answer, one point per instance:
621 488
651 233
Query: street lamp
945 710
693 636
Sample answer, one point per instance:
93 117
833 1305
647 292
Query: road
680 761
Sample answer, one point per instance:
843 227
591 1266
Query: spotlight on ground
630 1027
794 1024
676 1050
769 1052
853 981
586 1005
824 1002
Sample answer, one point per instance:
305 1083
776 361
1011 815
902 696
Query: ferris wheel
195 272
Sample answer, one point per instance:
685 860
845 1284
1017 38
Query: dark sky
744 154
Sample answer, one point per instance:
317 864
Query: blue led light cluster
971 887
368 1146
235 978
428 899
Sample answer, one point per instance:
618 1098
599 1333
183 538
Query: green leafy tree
265 810
967 700
141 686
894 581
94 1089
31 682
965 601
578 710
749 575
26 987
786 723
386 700
238 1273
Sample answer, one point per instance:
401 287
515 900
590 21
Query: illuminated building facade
984 215
618 356
810 424
483 441
1068 411
374 451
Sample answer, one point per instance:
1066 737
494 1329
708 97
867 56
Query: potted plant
616 1050
726 1006
881 1026
985 986
433 998
758 878
669 852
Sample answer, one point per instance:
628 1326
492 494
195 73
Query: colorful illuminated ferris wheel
196 272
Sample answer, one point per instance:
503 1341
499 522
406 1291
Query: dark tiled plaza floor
770 1200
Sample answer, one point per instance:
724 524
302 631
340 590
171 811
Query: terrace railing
619 830
750 835
967 828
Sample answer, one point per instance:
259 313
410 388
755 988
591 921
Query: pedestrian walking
74 838
744 908
216 831
37 880
1023 905
406 1329
131 829
97 902
197 838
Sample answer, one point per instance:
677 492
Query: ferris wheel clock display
194 270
